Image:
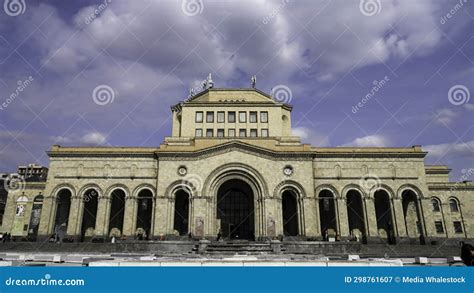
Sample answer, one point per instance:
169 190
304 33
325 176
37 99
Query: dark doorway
89 216
383 213
181 212
290 213
355 214
235 209
117 212
63 207
412 215
327 214
144 214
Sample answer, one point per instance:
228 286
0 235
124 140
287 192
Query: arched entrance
383 214
117 212
356 216
181 212
327 214
89 214
290 213
144 214
63 206
412 215
235 210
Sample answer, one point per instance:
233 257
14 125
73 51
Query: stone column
198 217
129 216
427 219
161 216
102 219
319 235
311 224
371 216
48 213
399 218
278 217
75 217
342 217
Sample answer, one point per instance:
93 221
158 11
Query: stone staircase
238 247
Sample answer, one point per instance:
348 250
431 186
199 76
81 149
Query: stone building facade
232 166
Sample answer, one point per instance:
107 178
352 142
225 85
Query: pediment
234 146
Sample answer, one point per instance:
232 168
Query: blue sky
329 54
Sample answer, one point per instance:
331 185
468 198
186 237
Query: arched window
453 205
435 205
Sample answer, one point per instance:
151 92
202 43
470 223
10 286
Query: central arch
235 210
251 178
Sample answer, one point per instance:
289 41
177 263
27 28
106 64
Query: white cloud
469 107
94 138
230 37
445 116
462 149
369 141
90 138
310 136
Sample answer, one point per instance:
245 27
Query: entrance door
235 209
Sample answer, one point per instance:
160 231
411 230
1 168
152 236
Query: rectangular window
264 132
253 117
209 117
243 117
220 132
457 227
231 118
439 227
264 117
253 132
199 117
231 132
220 117
198 132
242 132
209 132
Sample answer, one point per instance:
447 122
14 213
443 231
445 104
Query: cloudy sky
359 73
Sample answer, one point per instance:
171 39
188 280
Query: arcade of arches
355 216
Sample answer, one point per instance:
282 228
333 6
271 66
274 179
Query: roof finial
253 79
210 83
